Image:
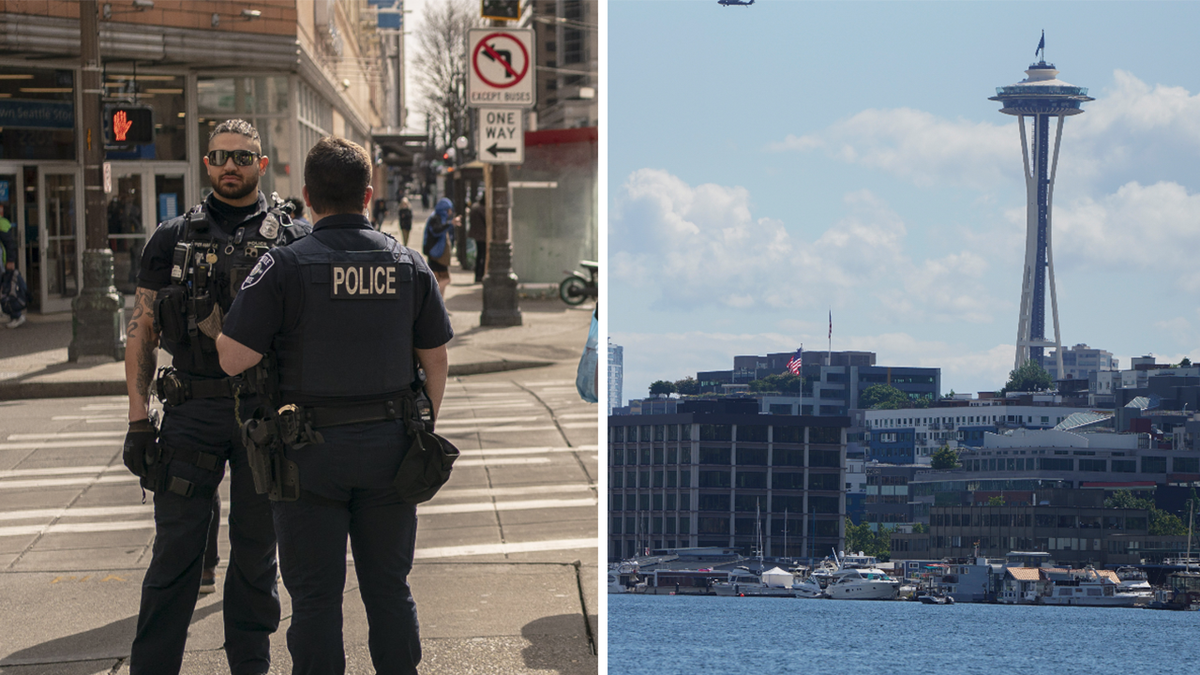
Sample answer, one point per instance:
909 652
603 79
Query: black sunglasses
240 157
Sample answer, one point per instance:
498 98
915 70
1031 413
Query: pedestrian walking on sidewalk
344 313
477 230
190 271
405 220
438 242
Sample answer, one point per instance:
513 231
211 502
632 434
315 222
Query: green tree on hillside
861 538
1161 522
784 383
944 458
882 397
688 386
1028 377
661 387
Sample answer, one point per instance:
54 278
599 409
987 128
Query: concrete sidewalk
33 358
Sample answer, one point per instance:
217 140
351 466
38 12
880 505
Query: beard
234 192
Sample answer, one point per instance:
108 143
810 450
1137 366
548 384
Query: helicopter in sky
742 3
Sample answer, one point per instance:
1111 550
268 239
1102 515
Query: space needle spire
1040 98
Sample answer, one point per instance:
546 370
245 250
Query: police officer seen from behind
344 312
191 269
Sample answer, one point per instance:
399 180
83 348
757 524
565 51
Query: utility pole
500 300
97 321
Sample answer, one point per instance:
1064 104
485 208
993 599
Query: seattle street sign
500 68
501 135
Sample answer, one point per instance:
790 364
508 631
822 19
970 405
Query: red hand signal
121 125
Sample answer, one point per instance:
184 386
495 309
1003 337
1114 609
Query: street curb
16 391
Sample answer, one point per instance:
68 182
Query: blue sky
769 164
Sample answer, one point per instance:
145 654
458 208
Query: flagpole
830 354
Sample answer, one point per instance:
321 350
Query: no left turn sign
500 71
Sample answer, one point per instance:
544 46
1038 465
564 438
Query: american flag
793 366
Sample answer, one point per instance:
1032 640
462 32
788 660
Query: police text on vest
363 281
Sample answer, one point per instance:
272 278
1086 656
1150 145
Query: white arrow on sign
501 135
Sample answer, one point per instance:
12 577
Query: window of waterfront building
715 455
822 481
630 479
660 432
672 432
616 526
631 455
616 502
37 114
788 457
685 432
1093 465
670 526
685 455
825 435
822 504
645 457
644 433
644 502
1124 466
824 458
616 434
658 455
671 499
643 479
787 504
1186 464
1154 465
659 478
658 502
685 480
164 95
788 434
617 478
712 525
752 479
685 524
685 501
672 455
752 432
752 456
672 478
630 525
657 525
716 432
713 502
745 502
784 480
717 479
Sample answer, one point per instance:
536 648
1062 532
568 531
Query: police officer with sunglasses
191 269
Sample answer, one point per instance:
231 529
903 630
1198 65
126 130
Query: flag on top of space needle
794 364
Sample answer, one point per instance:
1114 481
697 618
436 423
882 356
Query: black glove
139 441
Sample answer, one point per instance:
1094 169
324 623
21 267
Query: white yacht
743 582
862 583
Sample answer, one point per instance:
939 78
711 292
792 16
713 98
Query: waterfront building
616 375
1078 362
718 473
1041 97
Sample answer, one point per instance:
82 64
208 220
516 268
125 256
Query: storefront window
37 114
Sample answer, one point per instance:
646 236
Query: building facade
716 473
616 375
314 72
1078 362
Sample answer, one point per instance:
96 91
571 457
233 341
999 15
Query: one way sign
501 135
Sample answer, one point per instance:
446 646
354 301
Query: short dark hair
241 127
337 173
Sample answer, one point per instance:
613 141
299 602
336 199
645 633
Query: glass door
61 237
12 202
126 231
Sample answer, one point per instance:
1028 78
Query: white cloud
920 147
700 246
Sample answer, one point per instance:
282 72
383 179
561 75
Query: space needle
1041 97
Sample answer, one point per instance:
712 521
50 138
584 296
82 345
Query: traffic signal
504 10
129 125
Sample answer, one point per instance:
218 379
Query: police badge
269 228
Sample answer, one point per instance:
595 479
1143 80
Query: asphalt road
497 584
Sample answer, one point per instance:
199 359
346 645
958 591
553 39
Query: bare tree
441 67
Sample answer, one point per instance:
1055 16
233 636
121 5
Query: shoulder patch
260 270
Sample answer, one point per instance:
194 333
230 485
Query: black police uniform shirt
270 301
155 271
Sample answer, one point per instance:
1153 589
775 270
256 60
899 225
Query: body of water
701 635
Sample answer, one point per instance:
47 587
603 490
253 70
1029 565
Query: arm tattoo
141 324
143 314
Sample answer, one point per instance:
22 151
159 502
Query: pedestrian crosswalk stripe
438 509
503 549
60 471
67 434
463 493
521 451
64 482
62 445
488 420
501 462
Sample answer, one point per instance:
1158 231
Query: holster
274 474
427 464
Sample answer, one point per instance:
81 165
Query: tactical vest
353 339
208 267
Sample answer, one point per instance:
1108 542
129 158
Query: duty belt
374 411
175 390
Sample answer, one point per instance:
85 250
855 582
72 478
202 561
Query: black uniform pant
172 583
354 467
